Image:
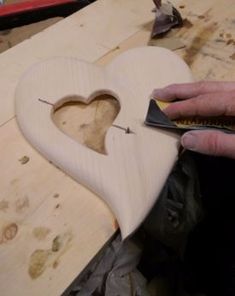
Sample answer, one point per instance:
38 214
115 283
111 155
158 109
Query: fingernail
189 141
157 93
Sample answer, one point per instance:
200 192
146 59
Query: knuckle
192 107
229 105
172 88
201 85
228 109
214 144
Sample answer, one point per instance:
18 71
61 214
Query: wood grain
88 34
131 173
43 185
87 123
56 201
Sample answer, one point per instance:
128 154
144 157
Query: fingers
209 98
210 142
213 104
190 90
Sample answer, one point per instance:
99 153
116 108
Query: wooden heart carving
88 123
130 177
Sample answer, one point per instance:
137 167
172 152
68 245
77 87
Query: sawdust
171 43
41 259
93 137
198 43
41 233
10 231
12 37
4 205
21 204
94 133
88 123
24 159
14 181
230 41
232 57
187 24
56 195
56 244
38 262
55 264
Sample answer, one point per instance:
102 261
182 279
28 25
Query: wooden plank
208 35
209 38
87 34
14 36
39 204
29 190
129 158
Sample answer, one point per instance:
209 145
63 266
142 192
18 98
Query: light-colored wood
208 35
46 201
88 35
132 173
87 123
213 58
12 37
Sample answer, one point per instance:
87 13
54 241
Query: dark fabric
155 248
179 208
166 230
114 273
207 264
192 249
210 253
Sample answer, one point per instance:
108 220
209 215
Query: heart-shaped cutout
87 123
130 177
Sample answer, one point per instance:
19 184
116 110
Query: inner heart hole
87 123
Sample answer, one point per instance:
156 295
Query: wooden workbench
50 226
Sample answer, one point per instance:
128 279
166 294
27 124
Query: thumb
210 142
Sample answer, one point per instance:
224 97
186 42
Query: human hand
204 99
